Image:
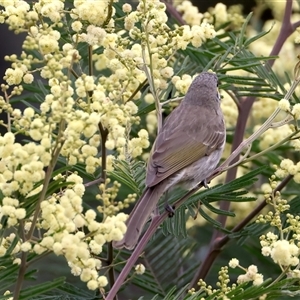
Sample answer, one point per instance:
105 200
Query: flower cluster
283 252
283 247
224 287
275 135
22 168
7 242
288 167
265 107
218 15
251 273
108 194
140 269
63 220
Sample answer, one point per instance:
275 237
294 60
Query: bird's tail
139 216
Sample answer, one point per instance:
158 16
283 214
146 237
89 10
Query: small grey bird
185 152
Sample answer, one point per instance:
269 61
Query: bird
185 152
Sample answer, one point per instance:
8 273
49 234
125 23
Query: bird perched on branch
186 151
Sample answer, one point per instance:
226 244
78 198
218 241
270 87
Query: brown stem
285 31
155 222
110 259
94 182
74 73
47 179
104 134
110 251
295 25
173 12
8 113
141 85
23 265
109 13
91 70
21 275
258 209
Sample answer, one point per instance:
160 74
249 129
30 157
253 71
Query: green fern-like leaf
131 174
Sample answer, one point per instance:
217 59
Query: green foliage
131 174
241 293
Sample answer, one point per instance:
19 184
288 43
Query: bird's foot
170 209
204 183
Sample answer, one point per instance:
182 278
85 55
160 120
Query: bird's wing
182 141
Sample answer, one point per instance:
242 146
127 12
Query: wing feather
180 143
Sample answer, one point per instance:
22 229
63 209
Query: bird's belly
197 172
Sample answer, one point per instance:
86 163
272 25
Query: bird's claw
204 183
170 209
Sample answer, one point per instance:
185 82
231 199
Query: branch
111 272
285 31
23 265
173 12
155 223
43 193
103 133
94 182
91 70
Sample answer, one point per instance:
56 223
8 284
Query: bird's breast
195 173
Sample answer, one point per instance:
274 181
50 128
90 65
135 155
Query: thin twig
141 85
110 259
50 169
273 147
94 182
23 265
104 133
109 13
22 271
172 100
149 76
91 69
174 12
134 256
8 125
264 127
